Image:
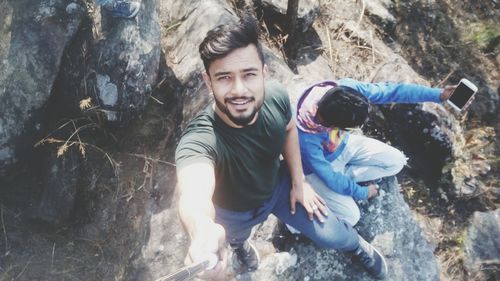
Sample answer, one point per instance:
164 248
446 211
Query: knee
397 161
354 216
341 237
349 213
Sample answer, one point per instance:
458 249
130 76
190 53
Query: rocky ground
124 225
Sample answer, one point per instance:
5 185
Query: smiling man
230 177
238 91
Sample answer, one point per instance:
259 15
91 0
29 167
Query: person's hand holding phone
459 97
447 92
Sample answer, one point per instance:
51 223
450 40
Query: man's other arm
301 191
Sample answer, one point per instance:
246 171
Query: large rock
33 36
482 246
307 12
126 62
188 23
61 176
386 221
378 12
164 249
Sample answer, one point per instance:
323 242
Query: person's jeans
363 159
334 233
103 2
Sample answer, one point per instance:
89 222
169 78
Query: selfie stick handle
191 270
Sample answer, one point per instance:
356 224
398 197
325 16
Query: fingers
447 91
318 213
310 209
321 203
318 210
372 190
212 242
466 106
292 205
216 271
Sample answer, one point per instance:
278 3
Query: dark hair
224 39
342 107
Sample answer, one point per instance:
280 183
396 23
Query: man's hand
312 202
212 241
372 190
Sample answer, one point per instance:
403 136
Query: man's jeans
363 159
334 233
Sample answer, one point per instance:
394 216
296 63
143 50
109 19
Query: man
342 166
230 177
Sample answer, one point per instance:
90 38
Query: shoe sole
384 264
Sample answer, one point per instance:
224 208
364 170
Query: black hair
342 107
226 38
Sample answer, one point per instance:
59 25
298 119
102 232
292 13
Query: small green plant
487 36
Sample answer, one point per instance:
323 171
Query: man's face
237 83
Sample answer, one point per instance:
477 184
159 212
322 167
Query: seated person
335 161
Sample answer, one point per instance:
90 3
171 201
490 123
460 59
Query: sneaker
123 8
371 259
367 183
245 258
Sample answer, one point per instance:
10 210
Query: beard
242 120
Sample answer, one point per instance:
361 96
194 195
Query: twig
173 26
151 159
329 45
359 20
445 79
377 70
24 269
161 82
52 260
113 163
157 100
373 48
4 231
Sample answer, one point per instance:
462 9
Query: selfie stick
190 271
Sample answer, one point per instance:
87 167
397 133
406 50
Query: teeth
240 102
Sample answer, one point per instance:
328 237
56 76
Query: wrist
297 183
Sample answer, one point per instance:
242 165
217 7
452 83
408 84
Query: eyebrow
221 73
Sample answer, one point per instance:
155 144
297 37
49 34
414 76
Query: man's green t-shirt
246 160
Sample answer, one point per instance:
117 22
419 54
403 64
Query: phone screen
461 95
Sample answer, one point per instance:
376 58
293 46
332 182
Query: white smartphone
462 94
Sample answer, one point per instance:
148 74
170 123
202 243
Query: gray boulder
164 249
126 61
386 221
33 37
189 22
307 12
482 246
378 12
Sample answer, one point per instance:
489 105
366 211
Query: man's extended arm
196 184
301 191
